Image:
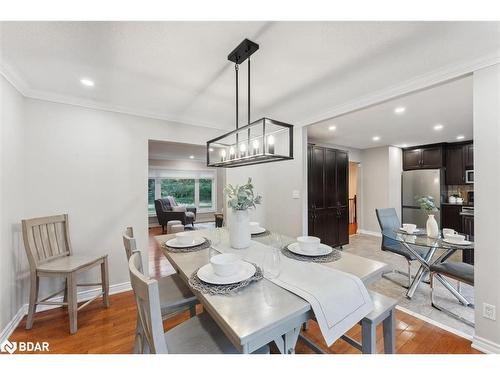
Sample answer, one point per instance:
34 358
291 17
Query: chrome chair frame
456 294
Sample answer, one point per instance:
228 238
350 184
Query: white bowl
455 238
308 243
225 264
448 232
409 228
254 225
184 238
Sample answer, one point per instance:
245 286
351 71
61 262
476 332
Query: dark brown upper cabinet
469 156
459 158
423 157
455 172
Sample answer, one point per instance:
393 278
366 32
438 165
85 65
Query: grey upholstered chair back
46 238
147 298
388 221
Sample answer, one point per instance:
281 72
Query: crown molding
20 85
422 82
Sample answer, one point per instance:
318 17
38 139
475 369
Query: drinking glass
272 264
215 236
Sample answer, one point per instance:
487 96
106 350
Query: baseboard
12 325
485 346
369 233
434 322
82 296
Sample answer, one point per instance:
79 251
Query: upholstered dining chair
174 295
459 271
388 221
48 247
197 335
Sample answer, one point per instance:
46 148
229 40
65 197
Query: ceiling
449 105
160 150
179 70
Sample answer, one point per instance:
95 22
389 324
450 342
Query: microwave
469 176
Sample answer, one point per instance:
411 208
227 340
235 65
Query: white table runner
339 300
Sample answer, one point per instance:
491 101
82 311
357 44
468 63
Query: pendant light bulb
223 153
270 140
256 144
231 150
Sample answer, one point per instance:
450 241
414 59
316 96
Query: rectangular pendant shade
262 141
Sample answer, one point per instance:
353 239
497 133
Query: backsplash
461 190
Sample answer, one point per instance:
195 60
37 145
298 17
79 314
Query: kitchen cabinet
468 228
423 157
459 158
455 170
469 156
328 214
450 217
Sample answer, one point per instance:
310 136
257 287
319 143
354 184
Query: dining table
262 312
436 250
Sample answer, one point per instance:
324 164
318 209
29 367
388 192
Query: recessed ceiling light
399 110
191 157
87 82
404 145
211 149
460 137
438 127
332 127
376 138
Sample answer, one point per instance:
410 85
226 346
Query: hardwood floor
111 330
353 228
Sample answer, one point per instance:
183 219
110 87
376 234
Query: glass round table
423 248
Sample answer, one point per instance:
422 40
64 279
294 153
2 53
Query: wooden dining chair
197 335
48 247
175 295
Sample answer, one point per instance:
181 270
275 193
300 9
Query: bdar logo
8 347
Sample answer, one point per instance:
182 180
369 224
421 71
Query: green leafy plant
242 197
426 203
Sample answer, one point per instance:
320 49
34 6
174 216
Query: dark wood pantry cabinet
328 214
459 158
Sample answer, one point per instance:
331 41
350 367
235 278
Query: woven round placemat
332 257
202 246
263 234
212 289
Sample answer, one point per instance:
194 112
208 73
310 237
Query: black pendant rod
236 68
249 92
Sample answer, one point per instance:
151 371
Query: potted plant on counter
240 199
427 204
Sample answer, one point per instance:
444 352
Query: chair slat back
46 238
147 298
129 242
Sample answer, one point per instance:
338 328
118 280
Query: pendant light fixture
261 141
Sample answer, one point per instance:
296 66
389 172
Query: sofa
167 209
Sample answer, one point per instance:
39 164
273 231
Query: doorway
353 197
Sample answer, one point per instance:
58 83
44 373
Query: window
181 189
189 188
151 195
205 193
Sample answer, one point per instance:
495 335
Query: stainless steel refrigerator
417 183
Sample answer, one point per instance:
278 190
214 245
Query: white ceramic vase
432 227
239 229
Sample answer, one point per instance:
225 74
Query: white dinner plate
175 243
460 243
258 230
321 250
245 271
416 231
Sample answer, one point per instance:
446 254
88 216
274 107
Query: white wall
380 184
487 208
13 264
93 165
